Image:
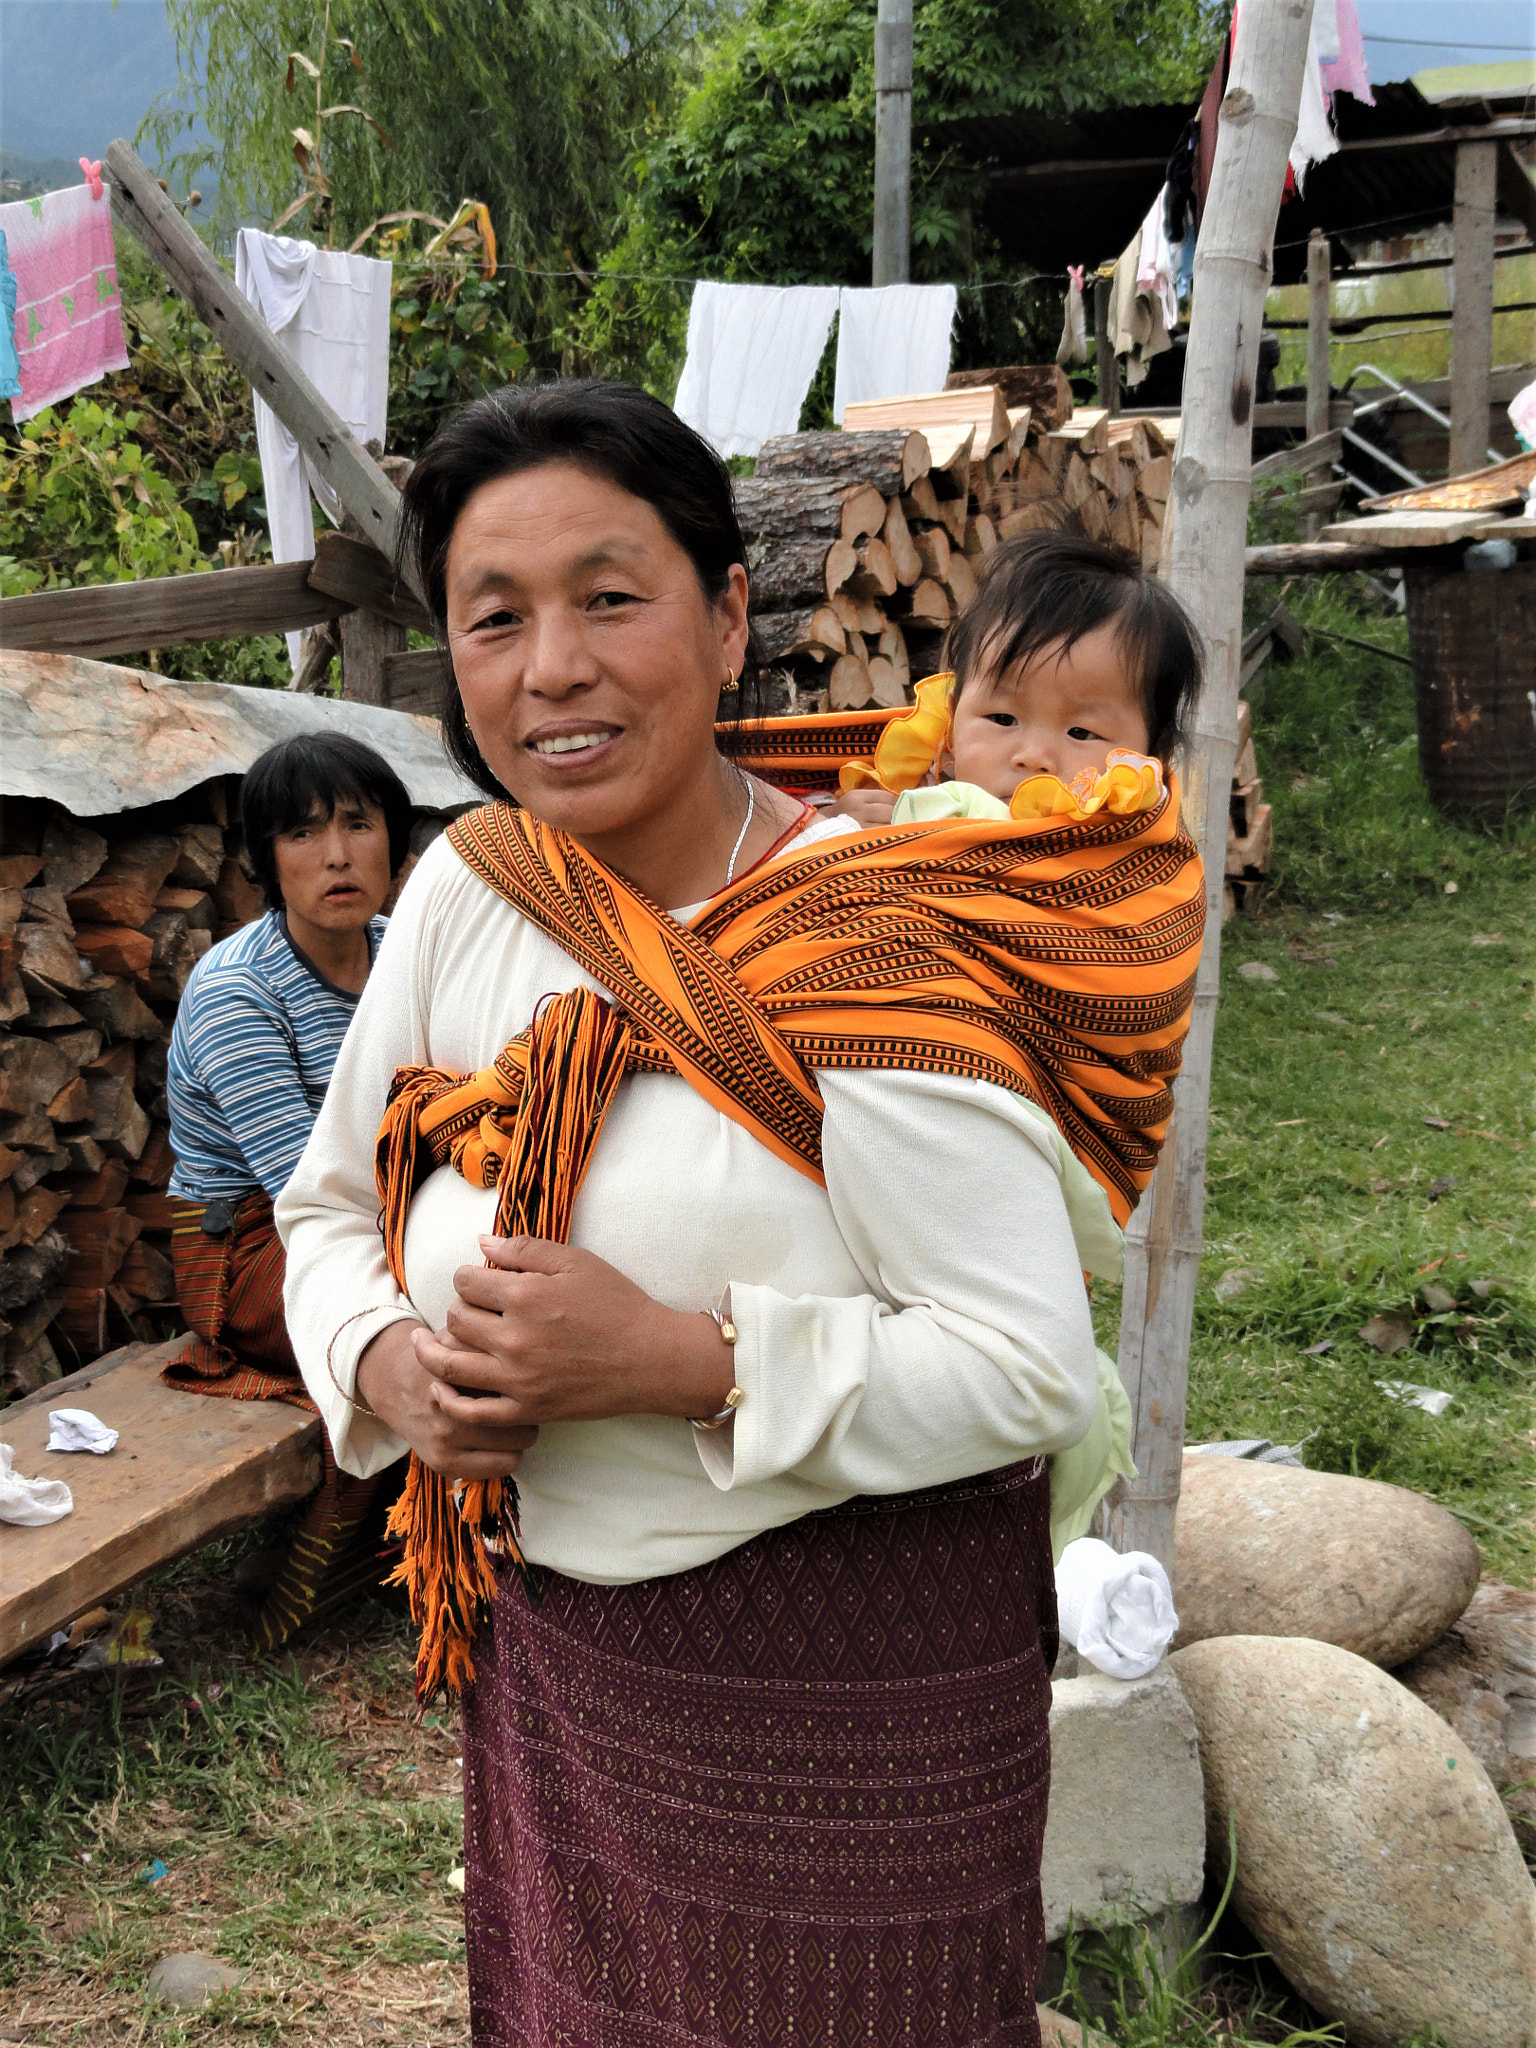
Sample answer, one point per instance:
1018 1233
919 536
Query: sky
76 73
1405 36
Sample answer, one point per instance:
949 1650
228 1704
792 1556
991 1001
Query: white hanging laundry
1073 347
1315 138
331 313
1117 1611
892 342
752 352
1157 265
77 1429
30 1503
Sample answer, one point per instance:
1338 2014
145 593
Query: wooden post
1106 365
1319 310
141 207
893 143
1477 170
1208 512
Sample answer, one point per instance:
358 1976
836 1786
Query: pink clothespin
1075 275
92 176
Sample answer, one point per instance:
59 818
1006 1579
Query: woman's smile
575 745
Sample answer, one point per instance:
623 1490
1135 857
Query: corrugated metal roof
1074 188
100 739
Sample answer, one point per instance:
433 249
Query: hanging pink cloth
69 324
1346 72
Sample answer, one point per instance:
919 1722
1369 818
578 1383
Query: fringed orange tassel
446 1568
575 1054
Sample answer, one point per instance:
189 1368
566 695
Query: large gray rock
1271 1550
1125 1834
189 1979
1374 1860
1481 1677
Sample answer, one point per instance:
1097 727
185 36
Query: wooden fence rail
102 619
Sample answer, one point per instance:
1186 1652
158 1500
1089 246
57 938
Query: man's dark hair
614 431
1052 587
315 771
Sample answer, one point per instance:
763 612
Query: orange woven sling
1056 960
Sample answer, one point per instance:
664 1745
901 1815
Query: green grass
1394 1003
306 1824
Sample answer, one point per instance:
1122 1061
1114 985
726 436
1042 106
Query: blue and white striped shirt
257 1032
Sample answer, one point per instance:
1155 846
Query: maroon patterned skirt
794 1797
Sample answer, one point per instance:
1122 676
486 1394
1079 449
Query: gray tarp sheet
100 739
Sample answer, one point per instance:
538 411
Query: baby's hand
868 806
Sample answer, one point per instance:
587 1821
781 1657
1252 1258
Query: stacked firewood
98 937
864 544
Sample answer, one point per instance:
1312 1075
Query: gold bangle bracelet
737 1395
330 1362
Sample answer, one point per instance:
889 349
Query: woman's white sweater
920 1319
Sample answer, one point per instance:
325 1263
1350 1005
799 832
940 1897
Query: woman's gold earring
731 682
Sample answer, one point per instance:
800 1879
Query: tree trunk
1205 554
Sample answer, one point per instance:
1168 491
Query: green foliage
81 502
532 106
767 172
450 340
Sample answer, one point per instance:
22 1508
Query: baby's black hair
1055 586
315 771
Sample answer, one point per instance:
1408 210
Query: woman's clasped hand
540 1333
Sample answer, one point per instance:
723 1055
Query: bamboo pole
1204 556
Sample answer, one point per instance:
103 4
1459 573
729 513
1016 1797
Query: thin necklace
730 873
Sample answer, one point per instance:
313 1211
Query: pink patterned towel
69 326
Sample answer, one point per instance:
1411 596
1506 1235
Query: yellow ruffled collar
911 744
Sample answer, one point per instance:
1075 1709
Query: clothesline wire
979 285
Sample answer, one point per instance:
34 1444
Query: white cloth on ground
77 1429
752 352
1117 1611
892 342
30 1503
891 1332
330 311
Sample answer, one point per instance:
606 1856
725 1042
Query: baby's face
1056 714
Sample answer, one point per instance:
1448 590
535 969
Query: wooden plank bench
186 1468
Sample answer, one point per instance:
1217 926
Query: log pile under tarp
864 544
98 938
102 919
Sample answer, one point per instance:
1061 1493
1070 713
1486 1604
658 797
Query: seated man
327 826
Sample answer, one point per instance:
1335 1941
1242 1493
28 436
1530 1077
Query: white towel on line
752 352
30 1503
331 313
1117 1611
77 1429
893 342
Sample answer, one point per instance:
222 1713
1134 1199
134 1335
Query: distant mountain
22 176
76 73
